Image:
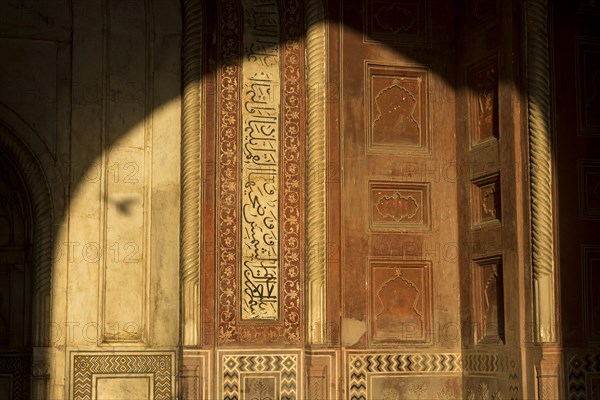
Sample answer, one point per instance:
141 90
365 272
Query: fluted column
541 170
316 172
191 173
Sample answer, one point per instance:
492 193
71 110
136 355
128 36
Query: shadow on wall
114 69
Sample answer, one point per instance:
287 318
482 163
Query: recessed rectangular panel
122 251
483 101
588 86
152 375
260 386
321 375
118 388
486 204
398 22
488 300
369 373
5 314
397 111
407 387
594 385
591 283
400 300
398 206
5 386
589 189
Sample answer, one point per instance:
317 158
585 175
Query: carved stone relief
260 386
486 200
400 301
488 300
399 206
482 392
405 22
483 79
397 376
397 108
481 365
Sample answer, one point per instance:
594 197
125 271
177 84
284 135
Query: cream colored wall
99 105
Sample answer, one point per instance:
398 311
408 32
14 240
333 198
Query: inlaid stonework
396 376
148 375
260 162
260 158
250 375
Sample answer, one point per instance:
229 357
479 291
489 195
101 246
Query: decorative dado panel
322 375
145 374
406 23
491 376
483 101
588 85
397 108
591 295
583 372
195 374
261 376
262 99
589 189
400 301
486 196
488 300
399 206
483 392
15 371
396 376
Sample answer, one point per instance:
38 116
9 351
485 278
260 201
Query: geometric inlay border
361 366
234 366
18 366
493 365
579 367
87 366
